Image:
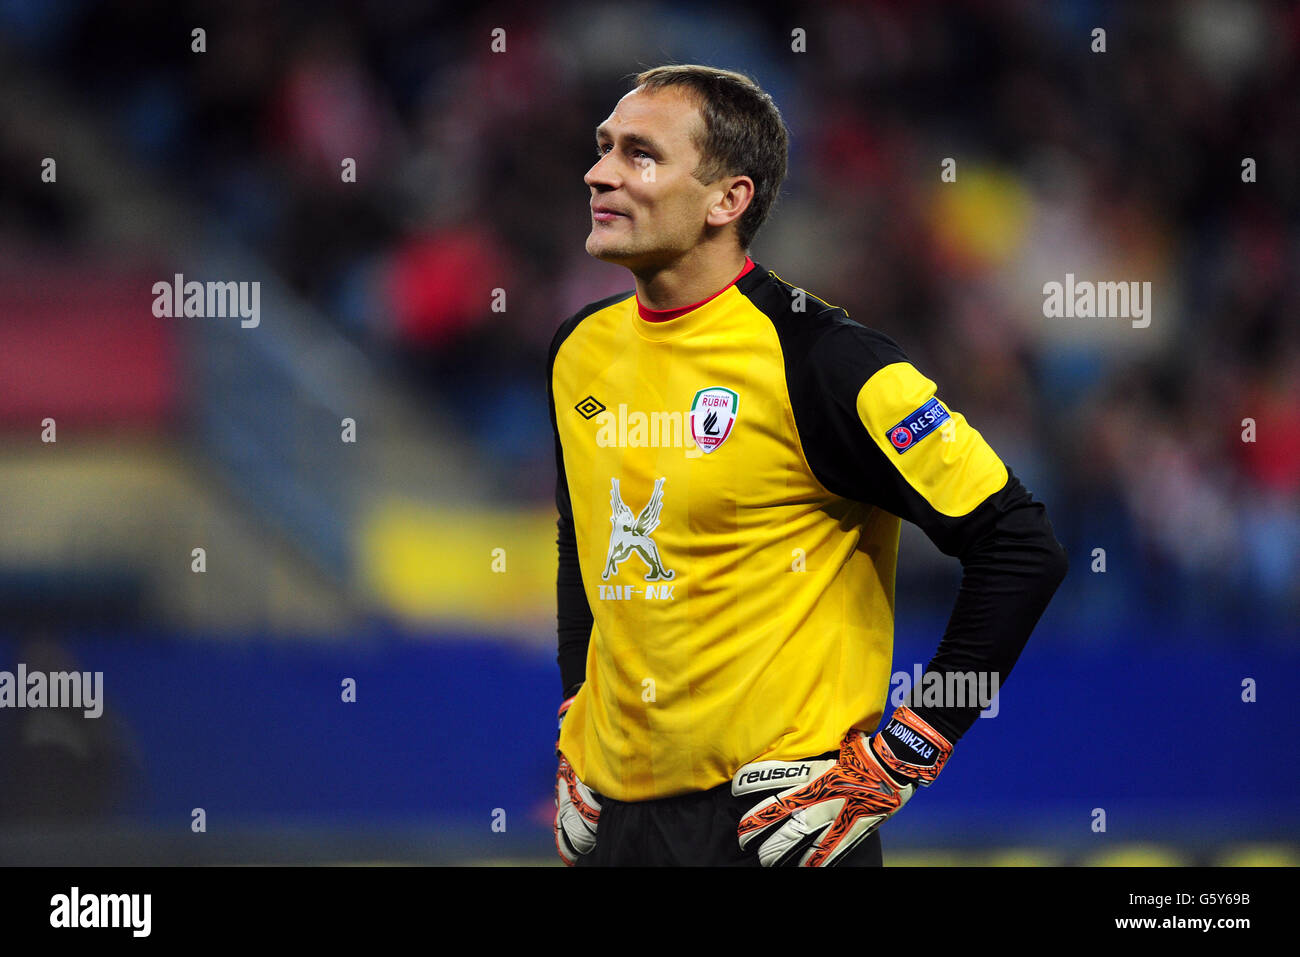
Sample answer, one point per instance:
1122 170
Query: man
734 457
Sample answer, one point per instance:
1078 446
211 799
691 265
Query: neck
687 280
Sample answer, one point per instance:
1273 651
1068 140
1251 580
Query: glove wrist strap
565 705
909 747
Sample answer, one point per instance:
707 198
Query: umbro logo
589 406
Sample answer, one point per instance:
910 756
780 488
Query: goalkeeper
734 458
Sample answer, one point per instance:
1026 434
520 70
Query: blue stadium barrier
446 730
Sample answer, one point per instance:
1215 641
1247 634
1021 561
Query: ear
738 193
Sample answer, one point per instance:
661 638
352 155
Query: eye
600 151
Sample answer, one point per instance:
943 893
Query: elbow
1057 564
1023 540
1055 560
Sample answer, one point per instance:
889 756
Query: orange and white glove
577 807
826 808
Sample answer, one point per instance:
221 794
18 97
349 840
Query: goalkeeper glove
577 807
834 805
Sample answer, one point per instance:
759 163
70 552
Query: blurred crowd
1122 164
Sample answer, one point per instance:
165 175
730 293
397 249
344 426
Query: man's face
643 171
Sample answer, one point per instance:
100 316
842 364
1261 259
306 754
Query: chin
607 254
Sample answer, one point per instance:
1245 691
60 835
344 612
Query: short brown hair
744 133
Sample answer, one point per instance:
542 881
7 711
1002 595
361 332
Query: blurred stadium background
373 560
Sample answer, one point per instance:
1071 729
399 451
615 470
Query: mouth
603 215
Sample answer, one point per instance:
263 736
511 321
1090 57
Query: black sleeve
1009 574
853 391
573 612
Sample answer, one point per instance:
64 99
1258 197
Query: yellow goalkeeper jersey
731 482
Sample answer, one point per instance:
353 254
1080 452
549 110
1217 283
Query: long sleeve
1008 577
573 611
877 432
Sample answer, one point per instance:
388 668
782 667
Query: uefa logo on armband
901 437
918 425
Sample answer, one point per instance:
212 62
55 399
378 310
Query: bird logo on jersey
713 413
631 534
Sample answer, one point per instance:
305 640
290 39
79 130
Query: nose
601 175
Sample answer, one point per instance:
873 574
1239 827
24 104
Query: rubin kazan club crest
713 413
631 533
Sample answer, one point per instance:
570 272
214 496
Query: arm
874 431
1009 574
949 482
577 807
573 611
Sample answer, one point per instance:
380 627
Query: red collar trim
663 315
